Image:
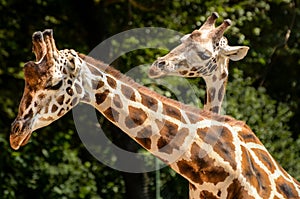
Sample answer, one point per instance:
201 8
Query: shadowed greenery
263 90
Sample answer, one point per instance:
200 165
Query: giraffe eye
204 55
55 86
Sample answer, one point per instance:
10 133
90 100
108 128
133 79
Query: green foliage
56 165
55 172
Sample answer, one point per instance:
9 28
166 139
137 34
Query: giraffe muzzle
19 135
157 69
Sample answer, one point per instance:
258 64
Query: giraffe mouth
155 73
16 141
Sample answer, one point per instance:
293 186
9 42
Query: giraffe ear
235 53
185 37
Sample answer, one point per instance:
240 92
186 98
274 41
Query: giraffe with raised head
220 156
203 53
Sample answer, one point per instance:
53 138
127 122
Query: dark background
264 88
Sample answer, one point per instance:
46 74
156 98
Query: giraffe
220 156
203 53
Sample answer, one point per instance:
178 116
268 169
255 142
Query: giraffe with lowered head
203 53
220 156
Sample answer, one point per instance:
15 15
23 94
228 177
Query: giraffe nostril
16 127
161 64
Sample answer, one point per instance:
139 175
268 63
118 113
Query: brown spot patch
223 75
195 35
93 70
190 170
211 94
74 101
97 84
207 195
162 144
201 167
111 114
149 102
168 131
180 138
61 112
214 78
255 175
65 71
86 97
70 91
111 82
143 137
194 118
221 93
78 88
183 63
167 143
46 109
128 92
215 109
54 108
286 188
29 114
28 100
117 101
194 68
235 190
100 97
47 119
213 67
248 136
265 158
221 139
191 186
184 72
172 112
41 96
68 100
136 117
60 99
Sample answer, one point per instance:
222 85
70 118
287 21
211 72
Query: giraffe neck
216 86
162 126
209 150
155 122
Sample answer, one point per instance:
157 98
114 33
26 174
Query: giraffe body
220 156
203 53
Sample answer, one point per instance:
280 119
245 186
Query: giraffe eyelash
204 55
55 86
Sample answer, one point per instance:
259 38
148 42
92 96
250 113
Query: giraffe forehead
201 35
34 75
37 74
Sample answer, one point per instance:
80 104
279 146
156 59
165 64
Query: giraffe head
52 88
199 53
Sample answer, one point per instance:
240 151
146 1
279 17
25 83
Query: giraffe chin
16 141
